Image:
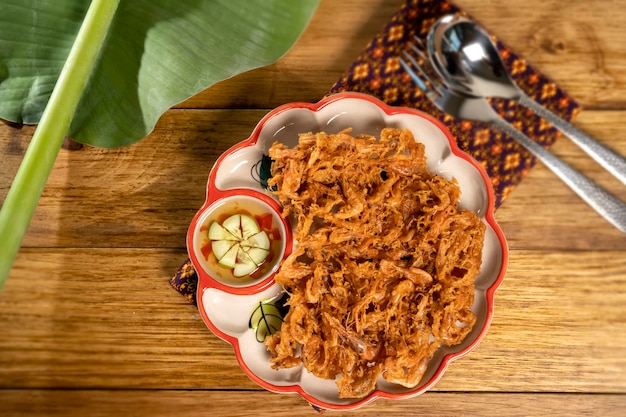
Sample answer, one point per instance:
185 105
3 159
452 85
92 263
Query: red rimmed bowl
229 308
220 205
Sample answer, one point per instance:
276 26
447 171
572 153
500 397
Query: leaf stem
32 175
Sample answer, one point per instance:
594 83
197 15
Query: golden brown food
385 263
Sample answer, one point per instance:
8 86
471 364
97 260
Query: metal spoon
469 63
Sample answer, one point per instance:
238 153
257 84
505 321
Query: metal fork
479 109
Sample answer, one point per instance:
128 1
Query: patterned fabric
185 281
377 71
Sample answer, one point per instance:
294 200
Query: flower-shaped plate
226 307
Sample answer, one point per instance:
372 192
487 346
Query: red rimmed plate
228 310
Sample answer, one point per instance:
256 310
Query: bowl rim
213 193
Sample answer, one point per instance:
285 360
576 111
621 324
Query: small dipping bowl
266 211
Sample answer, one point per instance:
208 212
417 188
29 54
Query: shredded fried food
385 263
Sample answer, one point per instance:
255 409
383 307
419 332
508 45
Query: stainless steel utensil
468 62
479 109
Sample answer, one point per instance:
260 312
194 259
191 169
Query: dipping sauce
268 221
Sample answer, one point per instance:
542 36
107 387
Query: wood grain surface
89 325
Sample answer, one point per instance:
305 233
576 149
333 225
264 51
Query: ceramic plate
236 182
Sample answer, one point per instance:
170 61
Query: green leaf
106 70
157 54
31 177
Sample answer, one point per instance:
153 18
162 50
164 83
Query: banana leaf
103 71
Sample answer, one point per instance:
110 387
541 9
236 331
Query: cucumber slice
220 247
257 255
239 243
217 232
244 264
249 226
233 225
259 240
229 259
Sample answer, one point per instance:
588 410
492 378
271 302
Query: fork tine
412 73
421 48
435 87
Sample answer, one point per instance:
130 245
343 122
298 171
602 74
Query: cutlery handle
605 203
609 159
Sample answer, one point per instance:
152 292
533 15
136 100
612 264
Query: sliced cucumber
259 240
217 232
249 226
244 265
257 255
220 247
239 243
233 225
230 258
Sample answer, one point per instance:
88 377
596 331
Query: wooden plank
338 32
534 218
90 325
151 190
182 403
582 53
75 318
557 316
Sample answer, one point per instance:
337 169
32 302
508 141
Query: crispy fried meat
385 263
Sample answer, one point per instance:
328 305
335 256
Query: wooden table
89 325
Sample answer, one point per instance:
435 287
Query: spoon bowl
469 63
464 56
